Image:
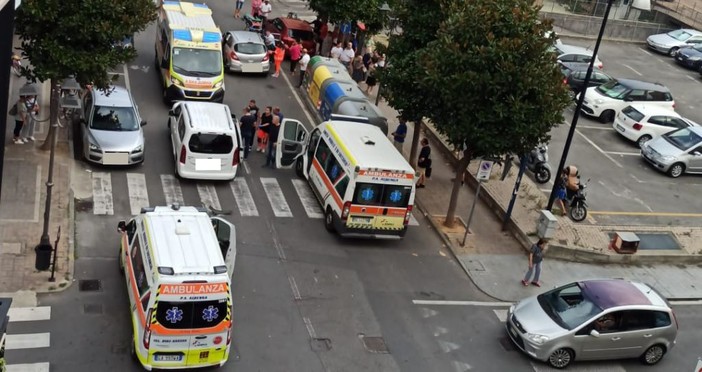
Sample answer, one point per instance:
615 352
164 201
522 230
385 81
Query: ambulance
365 186
189 53
178 264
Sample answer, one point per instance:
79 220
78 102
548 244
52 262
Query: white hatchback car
608 99
640 122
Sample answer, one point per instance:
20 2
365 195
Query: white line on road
447 346
246 168
29 367
599 367
602 127
276 242
460 303
295 289
242 195
138 195
632 69
623 153
208 196
299 101
546 190
599 149
27 341
275 197
681 302
693 78
29 314
126 77
413 221
309 202
645 51
501 315
171 189
461 366
102 194
310 328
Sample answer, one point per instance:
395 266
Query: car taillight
600 66
233 56
182 154
266 57
147 330
236 158
638 126
345 211
408 214
673 105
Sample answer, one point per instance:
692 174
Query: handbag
13 110
427 172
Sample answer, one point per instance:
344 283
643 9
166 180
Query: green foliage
76 37
489 80
336 11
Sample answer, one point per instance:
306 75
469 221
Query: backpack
13 110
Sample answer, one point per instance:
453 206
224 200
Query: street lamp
43 250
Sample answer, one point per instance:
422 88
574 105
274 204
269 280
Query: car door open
226 236
291 142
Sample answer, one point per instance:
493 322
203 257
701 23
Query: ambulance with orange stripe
365 186
178 263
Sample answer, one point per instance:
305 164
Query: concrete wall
620 30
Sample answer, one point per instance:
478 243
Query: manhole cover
89 285
320 344
92 308
507 344
374 345
83 205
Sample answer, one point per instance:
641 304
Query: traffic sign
484 170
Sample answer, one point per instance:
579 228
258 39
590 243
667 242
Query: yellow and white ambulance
364 185
189 53
178 263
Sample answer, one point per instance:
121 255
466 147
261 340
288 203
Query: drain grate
507 344
654 241
89 285
320 344
374 345
92 308
83 205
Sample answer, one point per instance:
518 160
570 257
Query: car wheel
653 355
672 51
329 220
676 170
560 358
643 139
300 167
607 116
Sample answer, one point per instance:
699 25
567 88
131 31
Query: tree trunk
415 141
461 169
53 115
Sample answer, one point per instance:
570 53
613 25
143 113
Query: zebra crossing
26 341
209 194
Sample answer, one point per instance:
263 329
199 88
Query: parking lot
623 189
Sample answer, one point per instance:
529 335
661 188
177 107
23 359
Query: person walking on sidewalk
424 162
272 139
237 10
247 124
398 136
265 9
21 116
536 256
31 120
304 60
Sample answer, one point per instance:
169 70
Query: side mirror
696 153
122 226
171 113
143 122
594 333
628 99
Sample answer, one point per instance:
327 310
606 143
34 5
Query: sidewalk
496 261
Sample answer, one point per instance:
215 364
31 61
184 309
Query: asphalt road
624 189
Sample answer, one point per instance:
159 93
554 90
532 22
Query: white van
206 140
178 263
365 186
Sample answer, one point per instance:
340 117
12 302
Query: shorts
561 194
422 171
239 4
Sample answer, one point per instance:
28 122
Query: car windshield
377 194
191 314
118 119
612 89
683 138
250 48
697 47
301 34
568 306
197 62
211 143
633 113
679 35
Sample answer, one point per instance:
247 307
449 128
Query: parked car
594 320
676 152
690 57
575 54
245 52
670 42
287 29
607 99
576 79
640 122
110 127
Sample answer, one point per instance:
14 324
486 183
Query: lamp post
385 9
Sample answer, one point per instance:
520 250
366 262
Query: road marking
208 196
309 202
413 221
461 366
138 195
427 313
275 197
29 314
645 51
102 194
685 302
299 101
501 315
308 324
460 303
651 214
27 341
595 127
440 331
693 78
295 289
623 153
246 168
447 346
242 195
594 367
29 367
171 189
276 242
126 77
599 149
546 190
632 69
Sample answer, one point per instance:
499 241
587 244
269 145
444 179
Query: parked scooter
253 24
537 163
578 206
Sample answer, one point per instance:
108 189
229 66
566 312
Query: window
382 195
582 58
635 320
568 58
250 48
229 40
138 265
613 89
303 35
683 138
333 170
197 62
396 196
633 114
342 185
205 143
600 78
145 300
568 306
278 24
131 230
368 194
314 140
87 103
660 120
118 119
323 154
637 95
181 128
191 314
654 95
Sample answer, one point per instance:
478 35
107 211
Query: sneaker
18 141
25 140
31 138
537 284
525 283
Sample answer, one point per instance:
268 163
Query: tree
490 82
337 12
77 37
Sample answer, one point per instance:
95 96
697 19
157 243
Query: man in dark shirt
273 131
247 123
398 136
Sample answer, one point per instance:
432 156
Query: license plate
361 220
208 165
168 358
257 67
620 128
115 158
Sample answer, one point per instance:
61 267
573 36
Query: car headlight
537 338
599 101
176 82
94 146
667 157
137 149
218 85
694 58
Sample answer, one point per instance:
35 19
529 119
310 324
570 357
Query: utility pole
7 25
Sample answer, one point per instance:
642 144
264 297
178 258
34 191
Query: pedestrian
561 191
254 109
336 50
264 125
423 162
304 60
536 256
272 139
237 10
256 8
265 12
295 52
31 118
398 136
278 113
269 39
247 124
367 59
278 57
347 55
371 80
357 69
21 114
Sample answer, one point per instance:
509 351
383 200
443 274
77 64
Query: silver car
670 42
594 320
110 128
676 152
245 52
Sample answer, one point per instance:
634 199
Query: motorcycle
537 163
578 205
16 64
253 24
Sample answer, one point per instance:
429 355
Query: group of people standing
24 110
362 67
299 55
260 130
